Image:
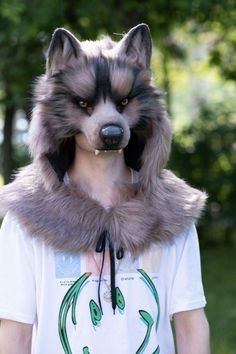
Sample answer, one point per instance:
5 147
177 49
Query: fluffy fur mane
158 207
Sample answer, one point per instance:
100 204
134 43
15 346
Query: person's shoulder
186 238
189 232
12 227
10 220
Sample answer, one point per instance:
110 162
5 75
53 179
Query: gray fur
67 219
157 208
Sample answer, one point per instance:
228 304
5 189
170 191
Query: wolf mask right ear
136 46
64 50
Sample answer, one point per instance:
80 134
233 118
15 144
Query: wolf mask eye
83 104
124 102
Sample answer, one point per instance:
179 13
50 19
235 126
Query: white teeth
97 152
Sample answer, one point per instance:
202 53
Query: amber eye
83 104
124 102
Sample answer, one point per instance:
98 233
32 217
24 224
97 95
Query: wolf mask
88 87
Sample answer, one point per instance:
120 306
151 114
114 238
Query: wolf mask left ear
64 50
136 46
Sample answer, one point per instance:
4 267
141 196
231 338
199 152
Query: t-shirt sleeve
17 289
187 290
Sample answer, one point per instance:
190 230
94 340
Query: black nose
111 135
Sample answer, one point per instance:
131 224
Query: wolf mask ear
64 50
136 46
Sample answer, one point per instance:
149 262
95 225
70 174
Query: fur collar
69 220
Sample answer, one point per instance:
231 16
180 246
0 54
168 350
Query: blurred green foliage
205 155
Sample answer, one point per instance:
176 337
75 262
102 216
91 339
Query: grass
219 278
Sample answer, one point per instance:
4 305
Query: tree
205 155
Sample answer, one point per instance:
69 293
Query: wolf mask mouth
95 88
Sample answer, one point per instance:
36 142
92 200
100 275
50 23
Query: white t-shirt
58 293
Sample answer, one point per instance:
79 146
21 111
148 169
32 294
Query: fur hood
158 207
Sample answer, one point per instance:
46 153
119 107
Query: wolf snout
111 135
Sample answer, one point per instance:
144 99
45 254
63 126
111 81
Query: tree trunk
166 81
8 160
228 237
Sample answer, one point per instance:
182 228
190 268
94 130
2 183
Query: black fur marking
141 91
62 160
143 123
133 151
73 46
103 83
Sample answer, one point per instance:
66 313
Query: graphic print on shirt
69 308
146 316
149 322
67 265
69 300
120 300
95 312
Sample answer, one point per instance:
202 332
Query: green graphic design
120 301
95 312
154 291
157 351
149 322
70 298
70 302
